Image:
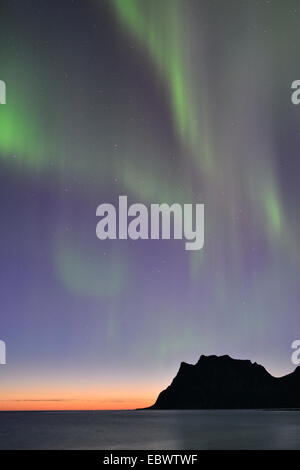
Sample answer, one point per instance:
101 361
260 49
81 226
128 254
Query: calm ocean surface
150 430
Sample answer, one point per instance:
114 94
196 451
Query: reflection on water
150 430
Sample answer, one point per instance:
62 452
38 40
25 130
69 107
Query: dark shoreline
150 409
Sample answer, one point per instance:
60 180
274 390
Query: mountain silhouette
220 382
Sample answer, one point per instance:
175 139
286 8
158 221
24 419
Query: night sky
163 101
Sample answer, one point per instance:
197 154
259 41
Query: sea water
221 429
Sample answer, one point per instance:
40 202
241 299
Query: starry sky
164 101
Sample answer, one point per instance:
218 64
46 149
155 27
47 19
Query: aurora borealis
176 101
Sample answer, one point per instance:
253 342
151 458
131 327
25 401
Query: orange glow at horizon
43 392
76 405
118 398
